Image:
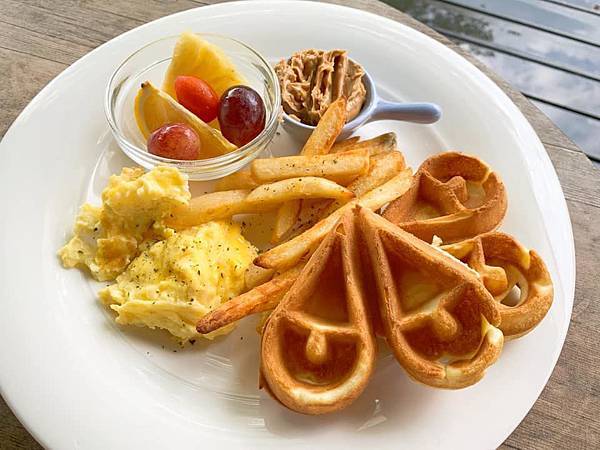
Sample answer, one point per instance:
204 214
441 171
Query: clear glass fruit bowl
150 64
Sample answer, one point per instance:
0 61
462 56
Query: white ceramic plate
76 380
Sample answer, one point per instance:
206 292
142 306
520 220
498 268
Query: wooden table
547 49
40 39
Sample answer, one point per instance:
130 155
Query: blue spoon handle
408 112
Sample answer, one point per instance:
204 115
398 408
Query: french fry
381 169
340 167
287 215
238 180
289 253
297 189
256 276
327 130
266 197
342 146
383 143
379 144
319 143
260 328
213 206
262 298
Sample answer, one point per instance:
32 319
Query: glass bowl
150 63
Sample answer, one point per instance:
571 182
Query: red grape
175 141
197 96
241 114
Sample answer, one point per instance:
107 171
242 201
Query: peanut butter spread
311 79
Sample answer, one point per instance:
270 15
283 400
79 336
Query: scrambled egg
177 281
106 238
164 279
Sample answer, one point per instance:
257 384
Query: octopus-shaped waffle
453 196
444 311
318 348
504 264
437 317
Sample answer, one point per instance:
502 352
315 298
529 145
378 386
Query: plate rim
12 402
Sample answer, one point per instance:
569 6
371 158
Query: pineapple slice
196 57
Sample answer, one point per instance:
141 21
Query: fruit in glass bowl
154 108
175 141
197 96
241 114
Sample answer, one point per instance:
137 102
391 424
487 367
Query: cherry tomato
197 96
241 114
175 141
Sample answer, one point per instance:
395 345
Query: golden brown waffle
453 196
318 348
437 316
503 263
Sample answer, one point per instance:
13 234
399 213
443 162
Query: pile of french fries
341 175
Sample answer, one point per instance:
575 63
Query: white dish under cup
76 379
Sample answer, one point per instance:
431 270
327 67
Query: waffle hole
476 195
513 298
328 300
340 360
425 211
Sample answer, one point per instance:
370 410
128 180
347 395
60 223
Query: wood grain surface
38 39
